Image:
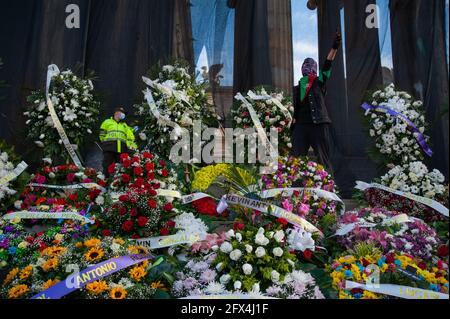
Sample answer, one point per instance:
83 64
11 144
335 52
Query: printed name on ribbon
91 274
169 241
270 193
227 296
76 186
420 138
426 201
51 73
14 174
262 136
47 215
275 101
185 199
266 208
404 292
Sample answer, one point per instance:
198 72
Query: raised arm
336 44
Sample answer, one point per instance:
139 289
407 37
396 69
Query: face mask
122 116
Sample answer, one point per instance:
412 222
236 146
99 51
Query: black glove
337 41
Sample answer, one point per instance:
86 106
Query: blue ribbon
91 274
420 137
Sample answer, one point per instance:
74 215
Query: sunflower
50 264
54 251
49 283
26 272
158 285
137 273
17 291
97 287
92 243
94 254
79 244
138 250
119 241
11 275
118 293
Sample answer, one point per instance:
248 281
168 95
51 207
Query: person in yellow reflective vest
117 138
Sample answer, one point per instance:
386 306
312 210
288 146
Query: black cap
120 109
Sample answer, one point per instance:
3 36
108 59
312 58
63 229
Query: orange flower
54 251
97 287
137 273
138 250
158 285
17 291
95 254
49 283
11 275
118 293
92 243
26 272
50 264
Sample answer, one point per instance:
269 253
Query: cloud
302 48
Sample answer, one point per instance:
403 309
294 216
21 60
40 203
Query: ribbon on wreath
261 133
275 101
13 174
47 215
80 279
51 73
425 201
76 186
266 208
417 134
181 238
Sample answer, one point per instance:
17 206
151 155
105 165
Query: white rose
237 285
247 269
231 233
100 200
279 236
275 276
226 247
277 252
238 237
225 279
256 288
248 249
260 252
219 267
235 255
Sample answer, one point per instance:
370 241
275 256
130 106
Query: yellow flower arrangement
10 276
94 254
26 272
207 175
94 242
50 264
97 287
118 293
54 251
50 283
18 291
137 273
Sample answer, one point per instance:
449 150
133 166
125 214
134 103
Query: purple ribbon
91 274
420 137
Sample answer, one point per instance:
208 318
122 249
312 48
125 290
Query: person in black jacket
311 120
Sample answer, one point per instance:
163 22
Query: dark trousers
316 136
108 159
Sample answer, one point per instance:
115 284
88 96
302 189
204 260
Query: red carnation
152 192
442 251
124 198
149 167
133 212
125 178
162 163
142 221
307 254
126 163
238 226
282 221
73 197
168 207
127 226
151 176
165 173
135 159
70 177
205 206
101 182
152 203
123 211
138 171
106 233
171 224
164 232
111 168
124 156
147 155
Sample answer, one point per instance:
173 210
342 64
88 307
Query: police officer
312 122
117 138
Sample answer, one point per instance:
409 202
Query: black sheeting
363 73
118 39
420 65
252 65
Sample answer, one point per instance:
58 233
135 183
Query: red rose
124 198
164 232
101 182
238 226
168 207
126 163
442 251
205 206
106 233
138 171
139 182
70 177
171 224
135 159
124 156
156 185
307 254
73 197
390 259
152 203
127 226
142 221
147 155
133 212
111 168
125 178
296 193
123 211
165 173
150 167
282 221
151 176
152 192
162 163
